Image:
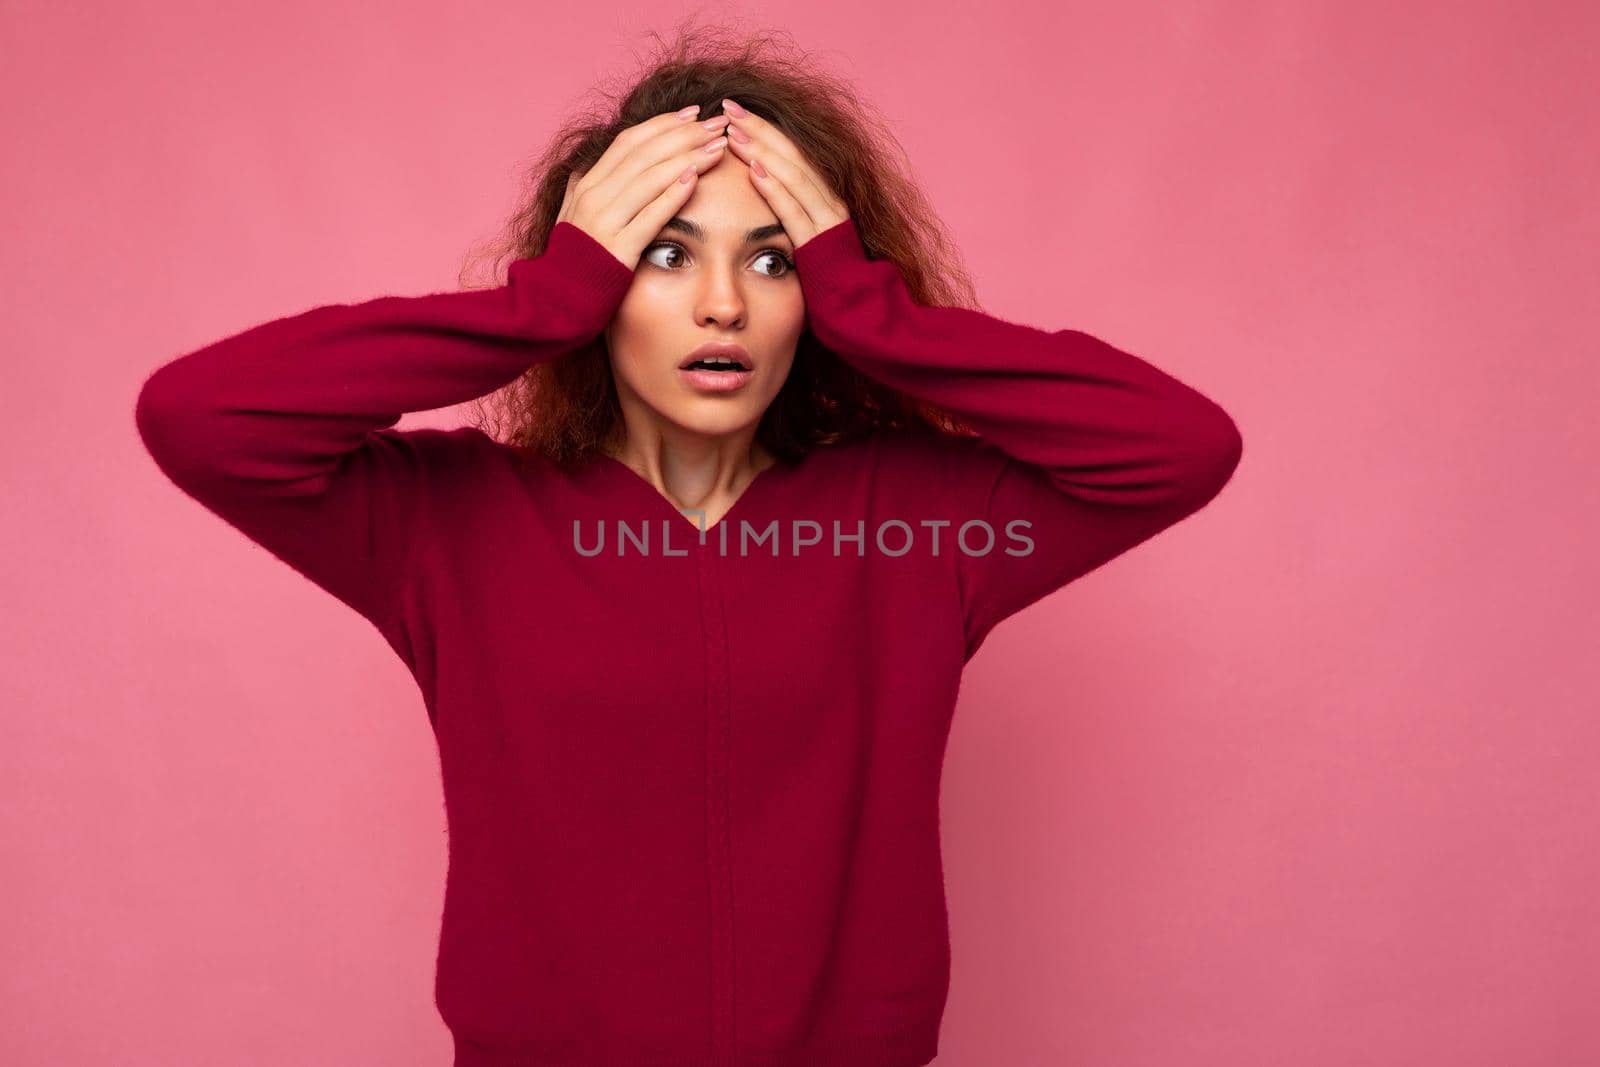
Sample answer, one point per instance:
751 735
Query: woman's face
716 285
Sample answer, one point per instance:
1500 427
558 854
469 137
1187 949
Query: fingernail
689 112
733 109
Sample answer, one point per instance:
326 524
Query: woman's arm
1094 447
284 430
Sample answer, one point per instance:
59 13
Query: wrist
829 255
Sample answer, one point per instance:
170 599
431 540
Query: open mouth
714 365
716 375
717 367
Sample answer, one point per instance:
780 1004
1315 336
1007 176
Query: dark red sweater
692 792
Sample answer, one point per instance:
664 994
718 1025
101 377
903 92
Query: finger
620 190
645 191
777 152
748 134
629 139
796 220
788 181
654 215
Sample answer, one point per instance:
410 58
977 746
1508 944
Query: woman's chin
723 419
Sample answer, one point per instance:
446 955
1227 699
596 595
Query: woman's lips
716 381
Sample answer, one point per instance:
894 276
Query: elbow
164 418
1224 450
156 407
152 413
1213 450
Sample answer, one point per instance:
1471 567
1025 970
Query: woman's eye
664 248
788 265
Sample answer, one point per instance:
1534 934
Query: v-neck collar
763 481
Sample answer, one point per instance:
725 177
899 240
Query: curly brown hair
567 409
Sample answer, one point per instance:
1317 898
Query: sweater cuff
585 264
828 258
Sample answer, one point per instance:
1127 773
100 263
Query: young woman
690 638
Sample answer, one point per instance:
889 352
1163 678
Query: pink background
1309 779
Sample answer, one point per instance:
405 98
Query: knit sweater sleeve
285 431
1093 449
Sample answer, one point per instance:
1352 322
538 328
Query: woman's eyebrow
693 229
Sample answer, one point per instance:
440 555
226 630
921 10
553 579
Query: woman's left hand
796 193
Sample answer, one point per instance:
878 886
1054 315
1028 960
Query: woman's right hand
634 188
